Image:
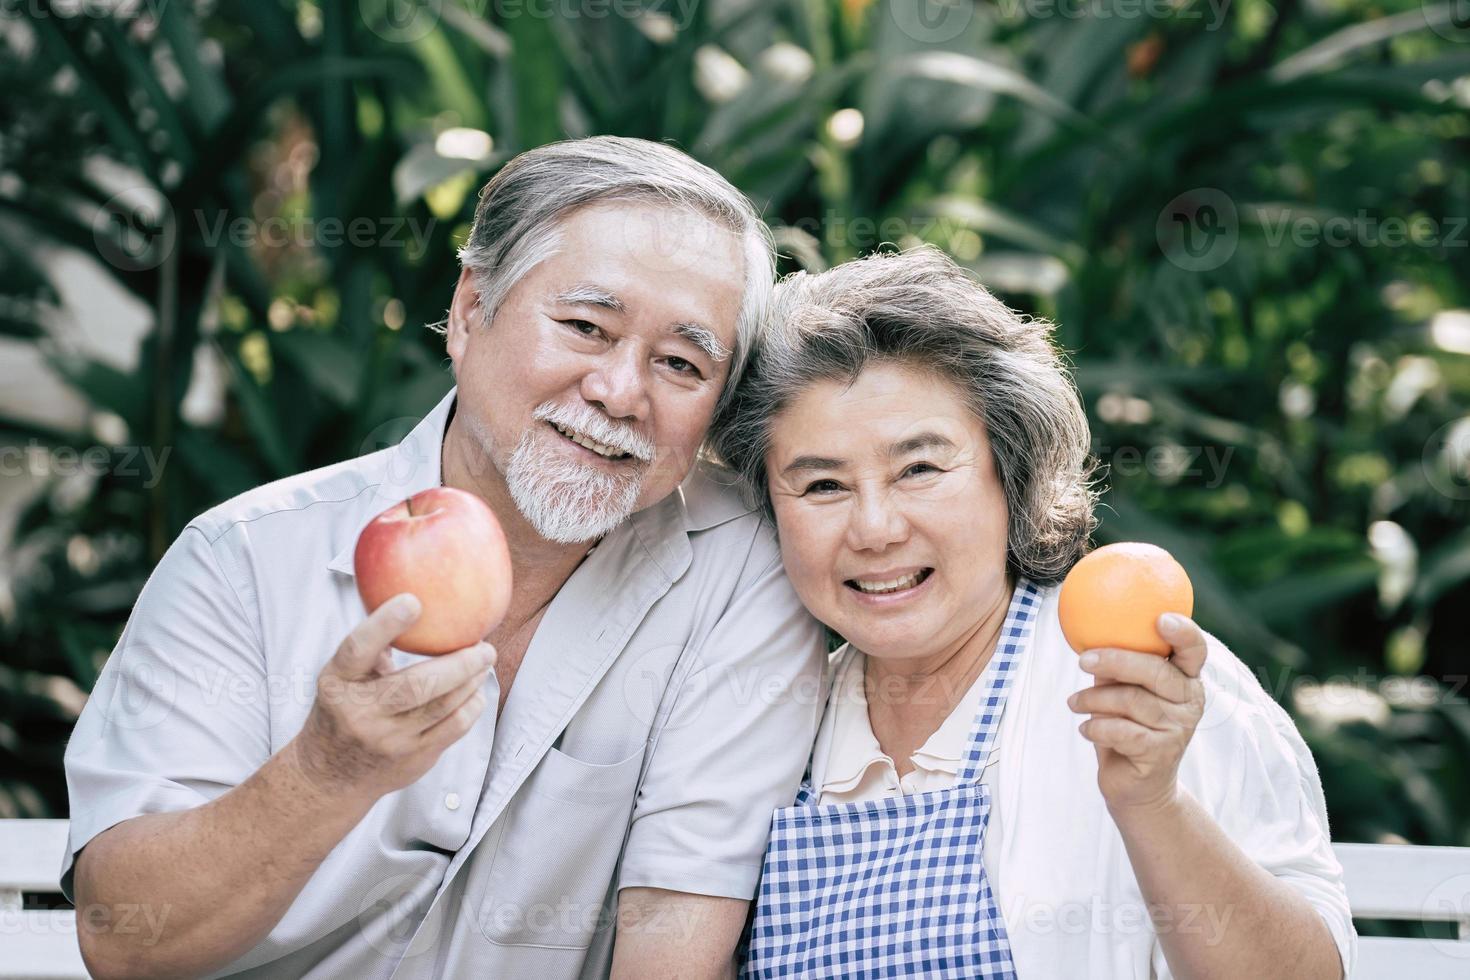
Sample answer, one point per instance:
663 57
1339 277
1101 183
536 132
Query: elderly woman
925 459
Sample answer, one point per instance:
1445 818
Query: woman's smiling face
892 518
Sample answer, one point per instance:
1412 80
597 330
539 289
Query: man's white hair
518 219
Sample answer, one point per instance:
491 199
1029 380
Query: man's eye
821 487
681 366
584 327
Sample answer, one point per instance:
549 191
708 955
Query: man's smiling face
592 389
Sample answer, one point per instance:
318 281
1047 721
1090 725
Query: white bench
35 944
1384 881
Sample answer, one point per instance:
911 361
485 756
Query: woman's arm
1217 913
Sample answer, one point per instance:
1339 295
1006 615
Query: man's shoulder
340 484
713 496
718 513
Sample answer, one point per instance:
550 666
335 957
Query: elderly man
587 792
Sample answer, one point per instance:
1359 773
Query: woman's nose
618 385
877 521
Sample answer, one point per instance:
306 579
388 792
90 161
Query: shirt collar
950 743
854 748
708 497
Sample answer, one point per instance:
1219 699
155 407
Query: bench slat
1383 882
1388 881
30 854
1381 958
40 946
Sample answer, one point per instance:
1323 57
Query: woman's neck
909 698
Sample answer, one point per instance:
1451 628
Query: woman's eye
820 487
920 469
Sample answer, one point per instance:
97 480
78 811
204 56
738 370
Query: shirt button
452 801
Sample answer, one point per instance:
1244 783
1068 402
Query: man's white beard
565 501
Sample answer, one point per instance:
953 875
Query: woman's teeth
589 443
890 585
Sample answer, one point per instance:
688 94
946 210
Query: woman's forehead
888 409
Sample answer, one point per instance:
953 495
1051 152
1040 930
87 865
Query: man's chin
570 513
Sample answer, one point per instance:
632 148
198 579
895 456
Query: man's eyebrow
588 294
924 440
703 338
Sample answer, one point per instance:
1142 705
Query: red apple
446 547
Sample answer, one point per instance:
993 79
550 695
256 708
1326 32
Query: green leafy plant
1201 200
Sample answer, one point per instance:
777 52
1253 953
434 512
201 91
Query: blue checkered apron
893 887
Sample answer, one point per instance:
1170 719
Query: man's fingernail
1088 660
1171 621
407 604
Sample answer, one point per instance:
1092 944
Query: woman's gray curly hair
920 309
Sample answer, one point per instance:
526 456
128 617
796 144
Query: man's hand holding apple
374 729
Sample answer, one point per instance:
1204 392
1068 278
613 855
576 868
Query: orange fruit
1114 597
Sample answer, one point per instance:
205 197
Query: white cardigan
1061 875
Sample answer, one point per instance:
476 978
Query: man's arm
218 877
664 935
730 750
215 879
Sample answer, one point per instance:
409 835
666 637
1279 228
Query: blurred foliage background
224 223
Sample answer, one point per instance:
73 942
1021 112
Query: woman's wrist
1162 812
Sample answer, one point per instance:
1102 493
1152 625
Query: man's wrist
313 780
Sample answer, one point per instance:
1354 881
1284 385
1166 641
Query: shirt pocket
555 858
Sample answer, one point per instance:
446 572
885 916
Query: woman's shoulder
1235 692
1245 744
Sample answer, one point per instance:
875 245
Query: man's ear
464 316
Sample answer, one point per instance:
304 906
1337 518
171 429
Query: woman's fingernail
1088 661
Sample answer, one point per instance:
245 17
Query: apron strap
1015 638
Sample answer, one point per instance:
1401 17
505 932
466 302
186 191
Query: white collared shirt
1055 860
856 766
658 717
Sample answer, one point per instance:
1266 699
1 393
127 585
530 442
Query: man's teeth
592 444
891 585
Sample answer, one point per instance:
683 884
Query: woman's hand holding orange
1144 710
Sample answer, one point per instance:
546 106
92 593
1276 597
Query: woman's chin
894 638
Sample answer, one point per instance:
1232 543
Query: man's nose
876 522
618 384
